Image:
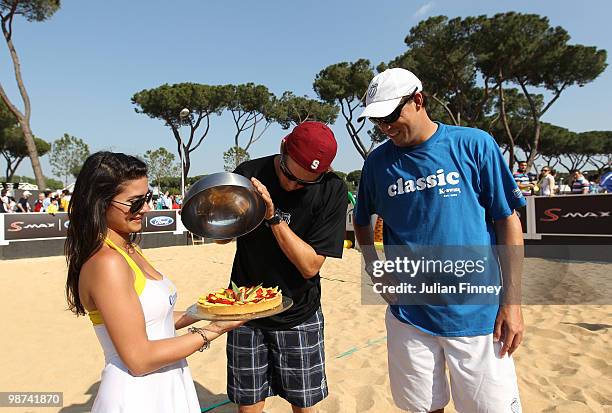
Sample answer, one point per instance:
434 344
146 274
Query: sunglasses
291 177
137 204
393 116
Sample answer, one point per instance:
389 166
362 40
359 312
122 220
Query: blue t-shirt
606 181
446 191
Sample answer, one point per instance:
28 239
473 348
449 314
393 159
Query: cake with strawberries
240 300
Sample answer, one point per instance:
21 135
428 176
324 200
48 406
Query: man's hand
509 328
263 191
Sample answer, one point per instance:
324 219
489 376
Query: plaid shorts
288 363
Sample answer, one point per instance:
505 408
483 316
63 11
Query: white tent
70 187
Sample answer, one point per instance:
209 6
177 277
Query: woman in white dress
130 303
547 182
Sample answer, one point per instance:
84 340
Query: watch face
276 218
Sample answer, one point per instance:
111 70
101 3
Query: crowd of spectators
166 201
47 201
545 184
57 201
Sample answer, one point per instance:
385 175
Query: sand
563 365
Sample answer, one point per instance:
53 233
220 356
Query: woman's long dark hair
99 181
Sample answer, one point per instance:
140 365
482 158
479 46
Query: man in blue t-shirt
444 187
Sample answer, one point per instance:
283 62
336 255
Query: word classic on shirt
402 186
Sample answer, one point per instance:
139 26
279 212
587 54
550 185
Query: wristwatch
276 218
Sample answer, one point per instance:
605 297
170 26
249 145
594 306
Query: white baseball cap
387 89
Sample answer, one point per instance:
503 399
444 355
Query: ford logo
161 221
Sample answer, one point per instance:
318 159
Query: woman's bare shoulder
107 266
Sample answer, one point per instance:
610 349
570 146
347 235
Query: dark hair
99 181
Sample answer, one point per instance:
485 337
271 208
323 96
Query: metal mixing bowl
222 206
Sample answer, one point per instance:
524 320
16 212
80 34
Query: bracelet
197 330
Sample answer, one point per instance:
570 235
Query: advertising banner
41 225
34 226
156 221
580 214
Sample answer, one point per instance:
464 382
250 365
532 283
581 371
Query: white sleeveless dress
167 390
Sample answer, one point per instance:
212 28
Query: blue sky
82 66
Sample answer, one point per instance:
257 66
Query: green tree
440 52
193 179
345 84
354 177
510 125
7 119
14 150
599 148
349 184
31 10
67 154
76 170
513 118
341 175
293 110
172 184
444 54
489 72
52 184
233 157
555 141
167 102
254 109
592 147
524 50
574 152
161 163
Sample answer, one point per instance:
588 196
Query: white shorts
480 381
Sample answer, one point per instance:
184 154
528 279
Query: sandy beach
563 365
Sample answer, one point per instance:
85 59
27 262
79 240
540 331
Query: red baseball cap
312 145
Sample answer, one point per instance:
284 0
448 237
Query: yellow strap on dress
139 278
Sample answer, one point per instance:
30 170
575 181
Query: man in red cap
306 206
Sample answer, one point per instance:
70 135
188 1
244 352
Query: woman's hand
221 327
181 320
